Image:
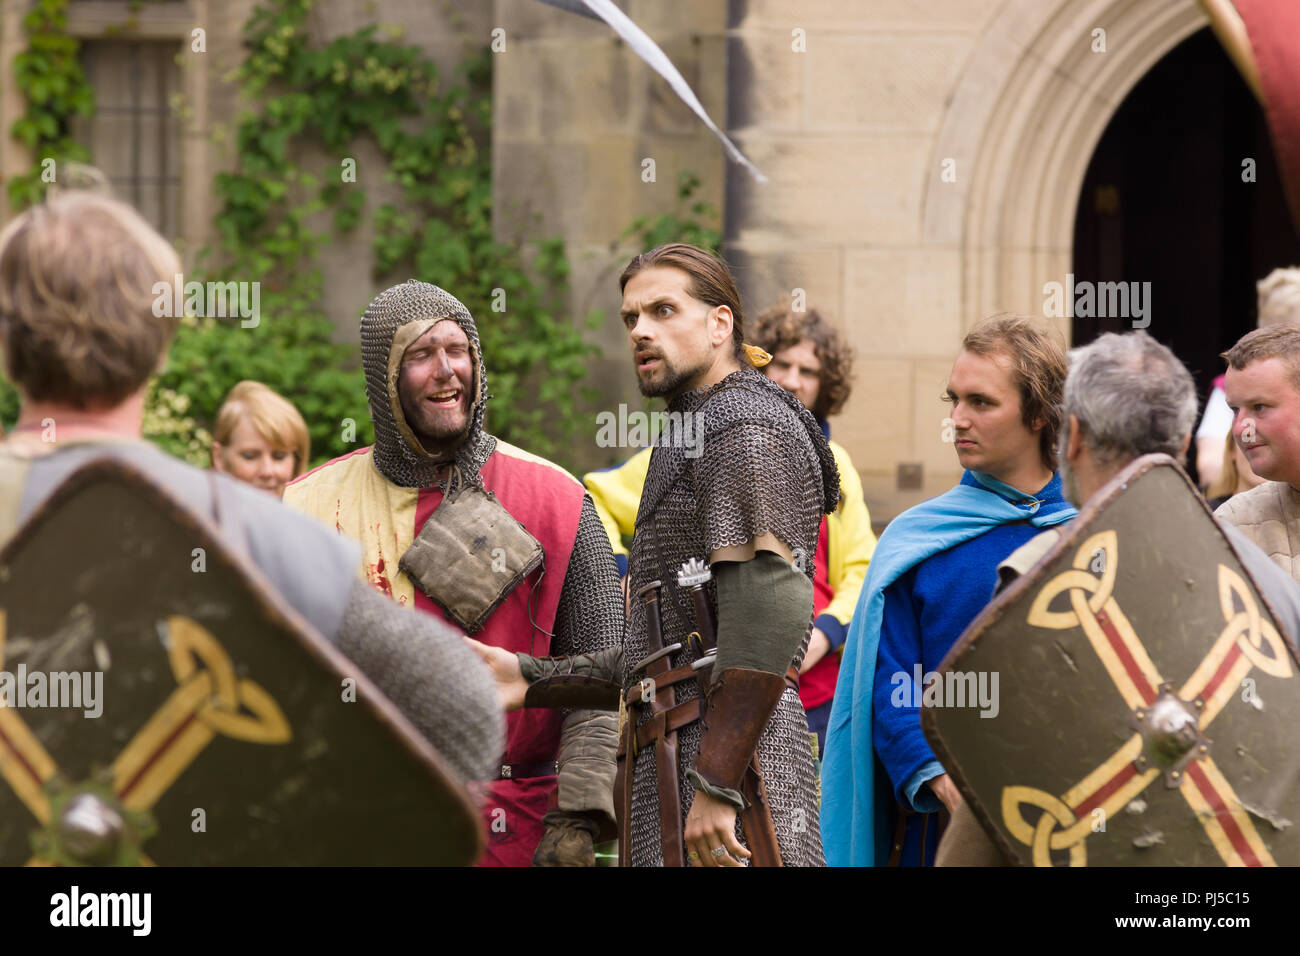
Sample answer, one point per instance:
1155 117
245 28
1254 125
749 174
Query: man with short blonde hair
1263 388
76 297
1278 302
81 338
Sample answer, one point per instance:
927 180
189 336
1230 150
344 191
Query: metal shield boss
188 714
1146 698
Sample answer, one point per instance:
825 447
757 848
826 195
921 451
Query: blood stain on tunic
375 572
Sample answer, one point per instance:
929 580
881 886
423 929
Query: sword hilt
693 575
649 593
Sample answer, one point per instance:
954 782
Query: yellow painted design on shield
1247 636
209 700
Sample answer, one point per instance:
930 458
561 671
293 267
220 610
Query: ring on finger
719 852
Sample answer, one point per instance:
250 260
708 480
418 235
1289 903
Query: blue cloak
849 817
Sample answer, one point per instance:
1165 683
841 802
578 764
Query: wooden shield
1145 699
227 732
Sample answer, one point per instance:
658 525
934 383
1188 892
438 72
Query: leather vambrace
739 705
589 681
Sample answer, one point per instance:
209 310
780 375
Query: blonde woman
1235 477
260 438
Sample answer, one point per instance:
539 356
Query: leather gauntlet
589 681
736 712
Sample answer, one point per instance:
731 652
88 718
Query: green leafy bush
434 139
48 74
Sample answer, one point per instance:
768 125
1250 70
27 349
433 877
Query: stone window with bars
134 136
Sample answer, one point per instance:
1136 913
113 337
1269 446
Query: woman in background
1234 478
260 438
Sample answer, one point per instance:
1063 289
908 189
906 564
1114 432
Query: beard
432 433
674 379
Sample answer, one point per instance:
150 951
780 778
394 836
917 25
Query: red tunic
350 494
818 685
548 504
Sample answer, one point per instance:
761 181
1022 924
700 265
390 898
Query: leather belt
522 771
674 718
679 674
664 722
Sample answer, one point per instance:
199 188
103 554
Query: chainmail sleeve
589 619
433 677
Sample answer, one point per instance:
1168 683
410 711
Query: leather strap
679 674
665 722
523 771
666 679
623 788
674 718
900 834
756 818
792 678
13 477
665 746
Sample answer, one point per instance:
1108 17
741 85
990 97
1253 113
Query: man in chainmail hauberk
463 526
82 335
720 573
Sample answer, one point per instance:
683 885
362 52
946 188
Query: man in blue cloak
934 569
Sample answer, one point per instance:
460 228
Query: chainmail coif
396 458
590 612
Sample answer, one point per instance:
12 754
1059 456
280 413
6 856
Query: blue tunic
959 536
926 610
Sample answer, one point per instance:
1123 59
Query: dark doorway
1164 202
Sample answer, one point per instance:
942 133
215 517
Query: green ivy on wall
431 135
691 222
49 76
275 216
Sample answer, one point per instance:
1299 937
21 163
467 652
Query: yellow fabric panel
850 540
616 493
351 496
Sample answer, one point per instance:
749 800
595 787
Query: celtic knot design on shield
1246 640
209 699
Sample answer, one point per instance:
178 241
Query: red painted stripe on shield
1102 793
1121 649
1222 814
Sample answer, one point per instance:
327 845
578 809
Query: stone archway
1021 126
